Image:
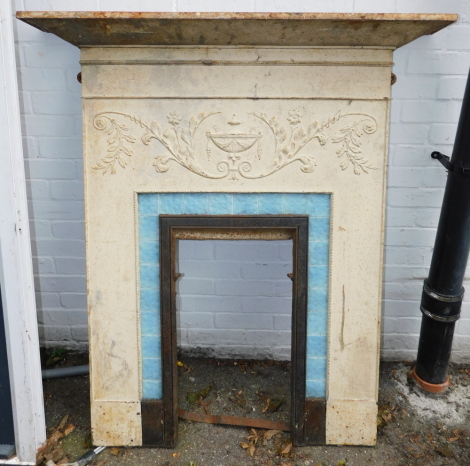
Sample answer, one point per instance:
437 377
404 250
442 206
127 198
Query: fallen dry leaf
63 422
245 445
251 450
269 434
68 429
115 451
287 450
453 439
176 455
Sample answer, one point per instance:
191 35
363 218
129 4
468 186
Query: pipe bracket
440 307
449 166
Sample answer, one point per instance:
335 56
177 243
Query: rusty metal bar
233 421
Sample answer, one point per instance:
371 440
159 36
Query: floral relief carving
241 149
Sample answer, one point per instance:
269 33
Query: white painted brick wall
426 101
235 298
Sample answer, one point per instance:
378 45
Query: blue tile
270 203
316 346
317 299
171 203
320 205
148 228
149 276
245 204
149 252
152 369
295 203
220 204
150 300
317 323
316 388
148 204
196 203
318 276
319 229
316 369
318 253
151 347
152 390
150 323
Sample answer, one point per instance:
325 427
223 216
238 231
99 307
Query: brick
243 321
73 300
56 103
415 87
47 300
410 237
410 156
69 230
283 322
60 284
48 125
284 289
203 320
196 250
266 271
245 250
42 79
285 251
56 210
209 269
51 169
442 134
427 218
61 5
61 317
67 190
60 248
60 147
299 6
210 303
44 265
70 266
438 62
40 229
451 87
56 333
79 333
143 5
51 52
276 305
195 286
397 308
402 197
38 189
408 134
400 217
244 288
417 111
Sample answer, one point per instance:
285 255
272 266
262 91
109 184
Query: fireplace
235 126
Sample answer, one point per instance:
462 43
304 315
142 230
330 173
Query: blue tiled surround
317 206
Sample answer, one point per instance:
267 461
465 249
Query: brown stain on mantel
105 28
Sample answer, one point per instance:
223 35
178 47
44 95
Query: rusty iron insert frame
160 418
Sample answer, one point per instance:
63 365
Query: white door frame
16 271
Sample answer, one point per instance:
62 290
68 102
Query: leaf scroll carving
239 157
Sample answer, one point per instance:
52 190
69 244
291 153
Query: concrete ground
414 428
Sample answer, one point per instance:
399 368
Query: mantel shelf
88 29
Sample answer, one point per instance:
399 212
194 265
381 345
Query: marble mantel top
98 28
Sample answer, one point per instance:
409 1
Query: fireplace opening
234 320
173 229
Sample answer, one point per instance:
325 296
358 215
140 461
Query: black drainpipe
443 292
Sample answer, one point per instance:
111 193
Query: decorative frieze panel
255 145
